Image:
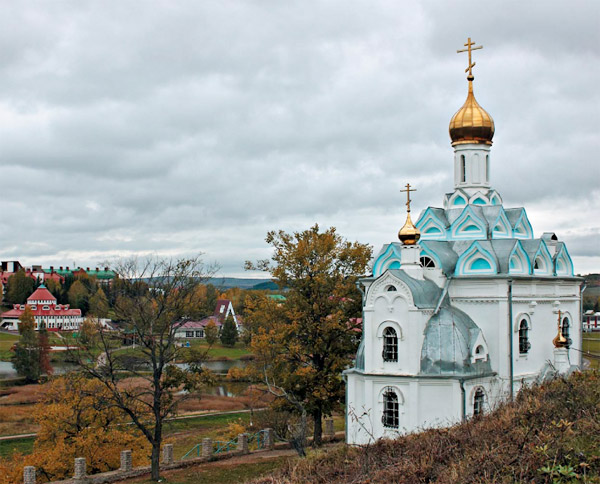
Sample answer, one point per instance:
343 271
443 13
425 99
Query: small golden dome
559 340
409 234
471 123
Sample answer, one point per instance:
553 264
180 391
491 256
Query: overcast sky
173 127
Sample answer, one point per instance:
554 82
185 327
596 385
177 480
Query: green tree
27 352
19 287
229 332
88 333
308 340
44 350
98 305
78 296
211 333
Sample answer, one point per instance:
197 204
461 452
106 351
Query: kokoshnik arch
463 310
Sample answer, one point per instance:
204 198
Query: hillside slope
551 433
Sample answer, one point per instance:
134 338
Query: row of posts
207 451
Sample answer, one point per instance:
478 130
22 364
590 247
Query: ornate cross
469 47
408 190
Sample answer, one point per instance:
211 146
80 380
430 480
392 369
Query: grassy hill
550 434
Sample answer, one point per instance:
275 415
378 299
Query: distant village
53 314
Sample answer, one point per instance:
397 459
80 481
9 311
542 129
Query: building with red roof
45 311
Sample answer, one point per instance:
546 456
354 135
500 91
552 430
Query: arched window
487 168
391 288
390 344
524 344
391 409
463 169
427 262
565 331
478 401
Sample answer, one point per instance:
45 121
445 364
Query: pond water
7 370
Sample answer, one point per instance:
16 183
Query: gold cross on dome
408 190
469 48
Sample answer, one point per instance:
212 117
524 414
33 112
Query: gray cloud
198 126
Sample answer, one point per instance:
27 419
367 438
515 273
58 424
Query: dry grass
17 419
16 416
23 394
551 434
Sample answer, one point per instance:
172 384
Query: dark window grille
427 262
390 345
524 344
478 401
565 331
391 409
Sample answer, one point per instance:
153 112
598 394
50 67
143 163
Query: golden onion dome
409 234
559 340
471 123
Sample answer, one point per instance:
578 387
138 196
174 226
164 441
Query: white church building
467 302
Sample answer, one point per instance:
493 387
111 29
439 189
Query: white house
45 310
464 309
195 329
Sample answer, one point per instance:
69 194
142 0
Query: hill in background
230 282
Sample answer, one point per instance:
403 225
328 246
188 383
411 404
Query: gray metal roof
448 346
425 293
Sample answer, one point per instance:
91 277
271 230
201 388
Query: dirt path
207 413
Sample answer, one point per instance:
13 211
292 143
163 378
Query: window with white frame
565 331
390 344
524 344
478 401
391 409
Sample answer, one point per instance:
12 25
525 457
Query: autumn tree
211 333
229 332
55 288
26 359
19 287
77 418
155 298
78 296
308 340
88 333
98 304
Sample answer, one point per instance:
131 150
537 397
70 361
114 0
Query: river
7 370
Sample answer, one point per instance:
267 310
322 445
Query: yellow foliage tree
303 346
76 421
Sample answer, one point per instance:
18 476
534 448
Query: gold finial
559 340
469 48
409 234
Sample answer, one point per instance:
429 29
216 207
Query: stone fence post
329 429
207 447
269 439
80 469
126 464
168 454
242 443
29 475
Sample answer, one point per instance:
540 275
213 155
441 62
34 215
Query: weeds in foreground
550 434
